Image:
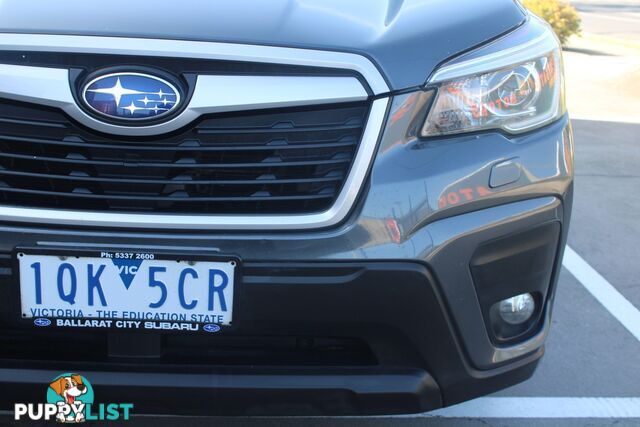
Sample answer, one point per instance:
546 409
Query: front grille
284 161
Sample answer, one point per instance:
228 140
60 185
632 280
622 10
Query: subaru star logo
42 321
131 96
211 327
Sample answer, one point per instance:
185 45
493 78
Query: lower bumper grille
284 161
44 347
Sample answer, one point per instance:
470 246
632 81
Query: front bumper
344 338
379 315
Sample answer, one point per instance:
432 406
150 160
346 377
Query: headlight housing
515 89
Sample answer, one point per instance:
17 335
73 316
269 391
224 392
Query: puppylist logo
70 399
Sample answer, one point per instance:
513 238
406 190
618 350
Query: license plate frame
164 255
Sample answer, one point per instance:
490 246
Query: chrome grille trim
50 86
197 49
316 90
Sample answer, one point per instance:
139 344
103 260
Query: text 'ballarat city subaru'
283 207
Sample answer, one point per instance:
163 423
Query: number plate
134 286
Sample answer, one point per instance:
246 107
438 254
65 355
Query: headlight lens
515 98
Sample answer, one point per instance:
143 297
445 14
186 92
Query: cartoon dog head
69 387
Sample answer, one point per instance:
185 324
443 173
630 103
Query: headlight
514 89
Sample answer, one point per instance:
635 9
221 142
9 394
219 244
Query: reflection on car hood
407 39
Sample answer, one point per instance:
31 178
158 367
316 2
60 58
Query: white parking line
603 291
543 407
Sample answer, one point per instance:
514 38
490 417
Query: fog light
518 309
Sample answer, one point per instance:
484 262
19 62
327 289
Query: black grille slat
188 199
335 127
172 181
347 142
32 123
177 164
282 161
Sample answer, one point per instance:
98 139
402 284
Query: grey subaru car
283 207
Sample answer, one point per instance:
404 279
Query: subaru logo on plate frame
131 96
211 327
41 321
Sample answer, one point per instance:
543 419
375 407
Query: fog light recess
518 309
